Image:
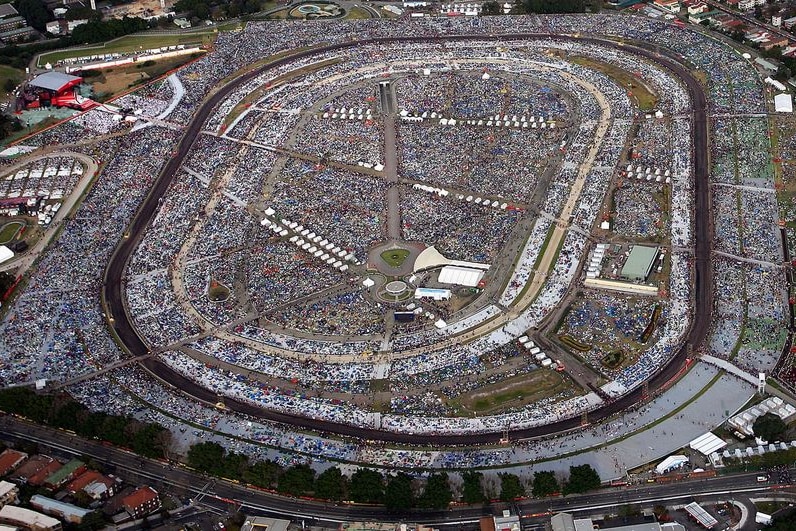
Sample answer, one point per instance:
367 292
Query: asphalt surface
121 321
224 495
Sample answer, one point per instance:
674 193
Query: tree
544 484
582 478
35 12
92 521
738 35
367 486
234 465
263 474
6 278
769 427
472 490
297 480
554 6
510 487
148 441
437 494
398 494
99 31
491 8
9 125
629 509
661 513
206 457
783 522
83 13
331 484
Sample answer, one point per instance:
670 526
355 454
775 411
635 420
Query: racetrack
121 321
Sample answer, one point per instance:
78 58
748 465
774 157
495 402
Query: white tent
670 463
707 444
783 103
5 254
462 276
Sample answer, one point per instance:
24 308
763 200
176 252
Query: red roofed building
672 6
773 42
30 468
141 502
40 477
10 459
82 480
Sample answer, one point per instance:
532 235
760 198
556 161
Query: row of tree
395 491
217 9
553 6
61 411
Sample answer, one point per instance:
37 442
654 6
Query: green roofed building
639 263
65 473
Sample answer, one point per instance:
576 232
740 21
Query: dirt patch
516 391
115 81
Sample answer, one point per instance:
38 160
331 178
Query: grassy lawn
9 231
130 43
645 98
6 73
231 26
395 257
218 292
358 13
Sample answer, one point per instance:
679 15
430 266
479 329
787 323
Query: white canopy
707 444
5 254
462 276
671 462
783 103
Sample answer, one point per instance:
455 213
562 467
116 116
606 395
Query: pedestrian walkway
729 367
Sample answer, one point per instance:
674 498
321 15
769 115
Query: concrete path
729 367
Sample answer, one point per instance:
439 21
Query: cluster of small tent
312 243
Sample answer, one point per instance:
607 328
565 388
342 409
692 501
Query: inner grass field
395 257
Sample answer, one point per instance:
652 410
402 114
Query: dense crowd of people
239 171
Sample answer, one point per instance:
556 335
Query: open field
113 81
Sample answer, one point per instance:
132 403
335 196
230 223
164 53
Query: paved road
220 492
121 321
